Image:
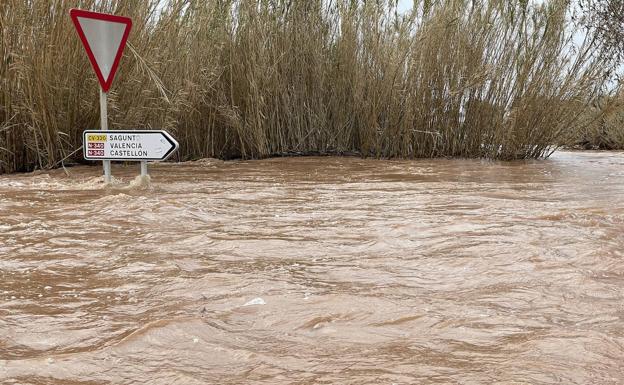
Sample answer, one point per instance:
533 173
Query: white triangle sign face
104 37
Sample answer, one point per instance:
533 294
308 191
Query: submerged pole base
107 172
143 168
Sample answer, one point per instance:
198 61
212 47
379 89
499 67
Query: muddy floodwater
316 271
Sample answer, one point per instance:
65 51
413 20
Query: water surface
316 270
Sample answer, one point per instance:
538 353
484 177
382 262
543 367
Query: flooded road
316 270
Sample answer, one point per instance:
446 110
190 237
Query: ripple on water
316 270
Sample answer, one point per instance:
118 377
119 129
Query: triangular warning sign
104 37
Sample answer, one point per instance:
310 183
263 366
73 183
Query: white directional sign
128 145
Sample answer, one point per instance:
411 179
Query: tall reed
604 125
255 78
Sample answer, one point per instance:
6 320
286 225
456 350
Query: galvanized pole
104 127
143 168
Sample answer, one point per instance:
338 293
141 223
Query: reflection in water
316 270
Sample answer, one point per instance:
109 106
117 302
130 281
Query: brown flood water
316 270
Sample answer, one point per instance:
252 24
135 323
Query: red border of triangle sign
75 14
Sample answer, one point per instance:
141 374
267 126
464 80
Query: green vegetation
255 78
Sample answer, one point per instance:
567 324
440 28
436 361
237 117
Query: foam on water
255 301
141 182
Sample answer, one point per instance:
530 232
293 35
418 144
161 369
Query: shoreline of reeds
248 79
67 167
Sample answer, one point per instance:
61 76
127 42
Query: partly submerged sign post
104 38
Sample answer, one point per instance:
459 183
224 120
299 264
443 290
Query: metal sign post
104 127
104 38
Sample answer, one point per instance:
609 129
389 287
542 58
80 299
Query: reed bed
240 78
604 128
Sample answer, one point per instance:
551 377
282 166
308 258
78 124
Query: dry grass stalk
247 78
